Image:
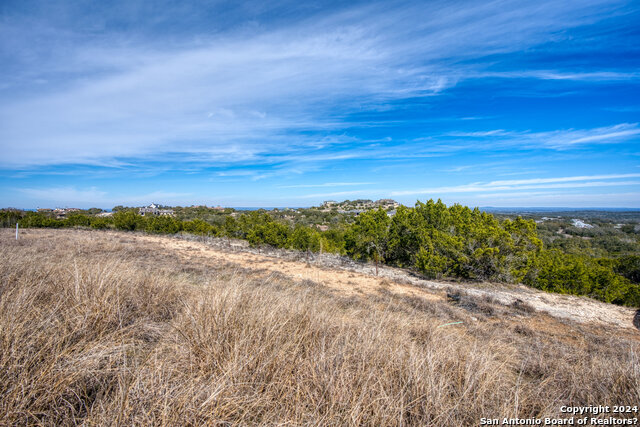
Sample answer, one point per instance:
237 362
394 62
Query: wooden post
16 231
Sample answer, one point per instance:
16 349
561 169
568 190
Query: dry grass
99 328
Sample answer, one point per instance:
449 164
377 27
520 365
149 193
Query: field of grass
100 328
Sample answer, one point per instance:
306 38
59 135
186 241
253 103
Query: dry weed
96 328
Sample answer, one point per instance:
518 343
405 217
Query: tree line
436 240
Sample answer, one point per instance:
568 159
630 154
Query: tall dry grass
98 329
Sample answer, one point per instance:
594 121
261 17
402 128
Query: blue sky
288 103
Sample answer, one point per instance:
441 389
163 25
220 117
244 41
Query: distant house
387 203
328 205
154 210
352 211
61 213
580 224
146 211
356 206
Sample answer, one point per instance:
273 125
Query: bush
571 274
100 223
305 239
272 233
163 225
9 218
198 226
77 220
629 267
128 221
431 265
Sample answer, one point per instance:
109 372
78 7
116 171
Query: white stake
16 231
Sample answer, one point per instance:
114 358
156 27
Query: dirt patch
342 280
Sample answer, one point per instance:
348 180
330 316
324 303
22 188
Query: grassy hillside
98 328
437 241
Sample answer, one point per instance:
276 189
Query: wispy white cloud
458 168
610 180
65 195
334 194
495 168
564 179
480 134
244 95
557 139
604 135
235 173
502 189
73 197
563 199
253 97
327 184
594 76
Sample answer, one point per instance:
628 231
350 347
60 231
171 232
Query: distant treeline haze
436 240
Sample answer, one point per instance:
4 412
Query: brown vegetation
105 328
